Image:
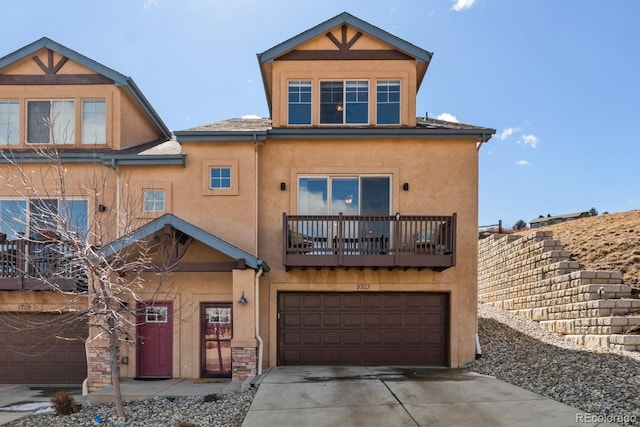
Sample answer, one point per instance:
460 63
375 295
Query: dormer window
9 122
388 102
51 122
344 102
300 102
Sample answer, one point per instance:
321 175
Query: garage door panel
311 320
331 319
350 320
371 301
434 319
392 320
45 351
331 338
311 338
364 328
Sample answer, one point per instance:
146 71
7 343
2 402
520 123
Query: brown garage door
362 328
42 348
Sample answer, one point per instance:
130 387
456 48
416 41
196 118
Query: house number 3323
363 287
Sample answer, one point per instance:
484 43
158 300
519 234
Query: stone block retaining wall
534 277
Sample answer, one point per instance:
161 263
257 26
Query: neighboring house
543 221
366 215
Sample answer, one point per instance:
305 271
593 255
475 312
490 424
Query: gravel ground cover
521 352
516 350
157 412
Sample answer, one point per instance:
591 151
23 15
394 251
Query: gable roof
266 58
404 46
118 79
189 229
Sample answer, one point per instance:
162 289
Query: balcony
353 241
26 266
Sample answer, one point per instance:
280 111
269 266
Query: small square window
220 178
157 314
154 201
218 315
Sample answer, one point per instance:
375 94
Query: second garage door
363 328
42 348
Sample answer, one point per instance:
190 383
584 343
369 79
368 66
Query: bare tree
57 241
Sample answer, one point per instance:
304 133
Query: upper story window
9 122
388 102
344 102
153 200
299 102
94 122
51 122
220 178
36 218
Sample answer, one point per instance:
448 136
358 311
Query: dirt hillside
603 242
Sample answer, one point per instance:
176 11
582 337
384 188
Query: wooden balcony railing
397 241
28 265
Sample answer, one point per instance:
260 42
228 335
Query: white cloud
250 116
530 140
460 5
506 133
148 4
523 163
447 117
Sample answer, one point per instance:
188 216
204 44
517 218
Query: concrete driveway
385 396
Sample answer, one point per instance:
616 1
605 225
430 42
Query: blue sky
558 80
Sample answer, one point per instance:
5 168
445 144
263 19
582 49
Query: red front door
217 331
155 340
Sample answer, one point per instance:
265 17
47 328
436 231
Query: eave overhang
360 133
266 58
118 79
189 229
106 158
207 136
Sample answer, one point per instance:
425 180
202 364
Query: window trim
345 103
220 179
27 222
330 176
52 132
154 202
232 164
16 138
82 120
299 84
388 81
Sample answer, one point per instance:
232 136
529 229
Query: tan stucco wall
442 177
127 123
316 71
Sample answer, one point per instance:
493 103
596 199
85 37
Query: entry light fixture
242 299
405 186
283 186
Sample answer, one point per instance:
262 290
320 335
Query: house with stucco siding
341 230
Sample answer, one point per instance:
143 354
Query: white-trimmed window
51 122
388 102
36 217
9 122
218 314
94 121
299 102
344 102
157 314
153 200
220 178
